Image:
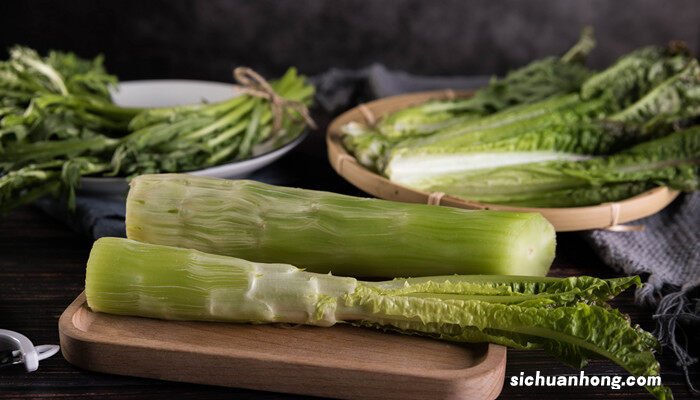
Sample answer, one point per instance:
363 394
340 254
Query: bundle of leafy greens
567 317
541 79
672 161
646 95
58 123
577 133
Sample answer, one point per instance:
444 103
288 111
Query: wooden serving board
342 361
564 219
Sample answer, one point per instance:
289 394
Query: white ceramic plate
173 92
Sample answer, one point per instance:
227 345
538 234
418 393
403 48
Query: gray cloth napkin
667 251
340 89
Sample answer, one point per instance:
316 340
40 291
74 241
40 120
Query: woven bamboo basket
603 216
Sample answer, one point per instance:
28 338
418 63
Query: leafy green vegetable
189 138
26 74
29 183
57 109
541 79
637 73
504 157
679 93
673 161
568 134
547 139
373 147
536 81
567 317
56 97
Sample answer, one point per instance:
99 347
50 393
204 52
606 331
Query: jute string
615 219
250 82
341 162
435 198
367 114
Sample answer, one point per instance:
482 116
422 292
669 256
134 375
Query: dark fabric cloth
668 249
339 89
94 216
668 252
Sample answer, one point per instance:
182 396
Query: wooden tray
342 361
563 219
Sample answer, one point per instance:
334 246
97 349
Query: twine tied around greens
615 225
252 83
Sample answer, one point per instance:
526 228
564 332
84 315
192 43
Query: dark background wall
205 39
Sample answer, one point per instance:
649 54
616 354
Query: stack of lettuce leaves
603 137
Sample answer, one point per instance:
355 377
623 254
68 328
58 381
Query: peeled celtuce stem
325 232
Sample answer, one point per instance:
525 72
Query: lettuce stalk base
566 317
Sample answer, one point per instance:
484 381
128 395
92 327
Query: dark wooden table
42 266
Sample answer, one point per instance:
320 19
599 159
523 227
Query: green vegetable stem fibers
328 232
